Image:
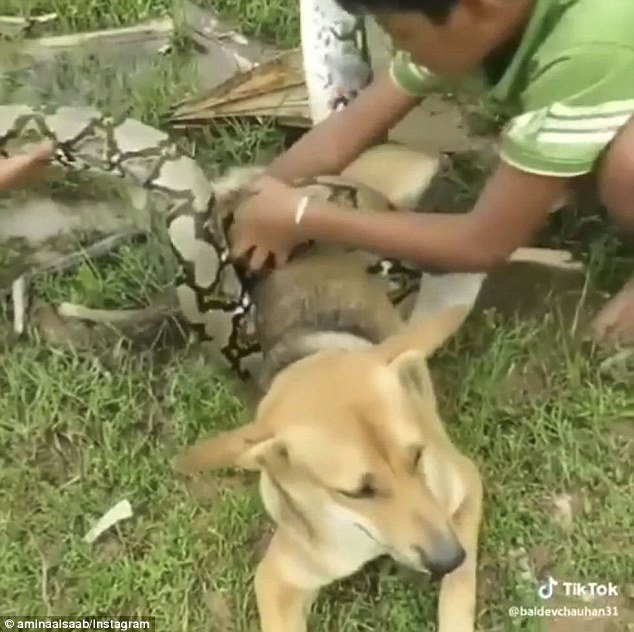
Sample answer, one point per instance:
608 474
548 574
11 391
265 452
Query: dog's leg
283 606
457 602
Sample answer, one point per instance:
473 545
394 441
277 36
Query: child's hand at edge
24 168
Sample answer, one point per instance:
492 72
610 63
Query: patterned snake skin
213 295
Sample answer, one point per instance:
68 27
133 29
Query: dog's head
352 453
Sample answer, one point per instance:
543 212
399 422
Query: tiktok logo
547 590
575 589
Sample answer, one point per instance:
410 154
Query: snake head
233 189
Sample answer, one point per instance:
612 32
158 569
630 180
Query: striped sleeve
572 111
411 78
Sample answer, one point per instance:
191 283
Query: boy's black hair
436 10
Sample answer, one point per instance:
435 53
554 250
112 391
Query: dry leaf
562 511
565 507
57 331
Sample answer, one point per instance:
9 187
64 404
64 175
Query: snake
214 294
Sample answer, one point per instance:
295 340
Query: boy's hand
24 168
266 224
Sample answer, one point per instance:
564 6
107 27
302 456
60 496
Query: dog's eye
417 454
365 492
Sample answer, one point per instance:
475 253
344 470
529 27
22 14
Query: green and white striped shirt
570 85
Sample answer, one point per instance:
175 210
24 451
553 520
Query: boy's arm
334 143
512 207
576 102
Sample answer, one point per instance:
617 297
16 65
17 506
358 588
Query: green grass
275 22
79 432
130 277
89 14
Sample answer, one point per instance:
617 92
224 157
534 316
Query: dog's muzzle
446 557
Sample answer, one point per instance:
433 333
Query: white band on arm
301 209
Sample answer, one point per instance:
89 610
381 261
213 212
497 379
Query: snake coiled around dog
212 292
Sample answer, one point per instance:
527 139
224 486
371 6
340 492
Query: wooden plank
147 37
275 88
12 26
239 76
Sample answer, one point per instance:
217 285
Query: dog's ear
243 447
425 335
398 172
410 367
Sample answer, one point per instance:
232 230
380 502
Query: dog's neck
299 345
321 300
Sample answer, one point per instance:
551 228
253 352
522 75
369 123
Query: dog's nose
443 559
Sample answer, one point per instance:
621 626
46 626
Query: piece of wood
14 25
152 35
240 76
117 316
275 88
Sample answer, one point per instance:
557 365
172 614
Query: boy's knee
616 178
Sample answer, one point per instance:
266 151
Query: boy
565 67
23 168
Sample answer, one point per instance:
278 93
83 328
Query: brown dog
353 458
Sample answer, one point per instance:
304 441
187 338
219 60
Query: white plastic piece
119 512
301 209
18 295
440 291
